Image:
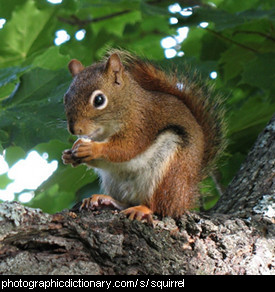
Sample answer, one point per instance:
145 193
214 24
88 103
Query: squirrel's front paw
85 151
68 158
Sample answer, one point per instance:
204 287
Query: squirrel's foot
139 212
97 202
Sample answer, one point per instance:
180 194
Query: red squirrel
150 136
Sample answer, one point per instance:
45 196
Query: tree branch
230 40
255 32
106 242
255 179
75 21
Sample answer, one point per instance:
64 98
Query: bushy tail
205 106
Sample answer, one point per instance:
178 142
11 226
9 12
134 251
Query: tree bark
252 191
236 237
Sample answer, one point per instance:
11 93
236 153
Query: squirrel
150 136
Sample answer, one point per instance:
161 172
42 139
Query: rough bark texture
236 237
253 188
106 243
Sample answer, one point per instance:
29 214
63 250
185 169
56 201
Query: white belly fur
134 182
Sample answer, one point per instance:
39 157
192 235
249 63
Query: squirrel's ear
115 68
75 67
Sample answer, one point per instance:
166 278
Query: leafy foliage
238 43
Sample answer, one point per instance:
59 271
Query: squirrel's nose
75 128
78 131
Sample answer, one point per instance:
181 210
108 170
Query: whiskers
58 123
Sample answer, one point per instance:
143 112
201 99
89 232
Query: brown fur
143 103
207 109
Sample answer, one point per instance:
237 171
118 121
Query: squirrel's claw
68 158
138 213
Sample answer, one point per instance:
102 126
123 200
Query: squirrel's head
96 103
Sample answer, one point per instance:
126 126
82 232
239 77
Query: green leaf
51 59
193 44
7 7
53 148
34 86
209 192
60 190
70 179
220 18
116 25
20 33
154 10
148 43
212 47
11 74
5 181
9 78
258 14
234 60
35 112
52 200
223 19
4 137
255 111
233 6
260 72
13 154
231 166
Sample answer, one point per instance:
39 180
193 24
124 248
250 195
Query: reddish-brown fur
206 110
144 103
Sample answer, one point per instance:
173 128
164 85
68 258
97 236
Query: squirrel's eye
99 100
